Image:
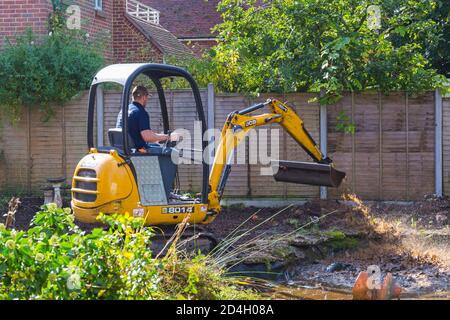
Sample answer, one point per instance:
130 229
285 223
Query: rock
430 197
307 240
441 218
269 251
392 267
338 266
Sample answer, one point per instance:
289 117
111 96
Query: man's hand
153 137
175 136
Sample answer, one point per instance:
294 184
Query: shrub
45 72
55 259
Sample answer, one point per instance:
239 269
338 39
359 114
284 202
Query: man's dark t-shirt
138 120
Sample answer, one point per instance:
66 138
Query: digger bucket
316 174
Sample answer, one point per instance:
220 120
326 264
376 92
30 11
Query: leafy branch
44 72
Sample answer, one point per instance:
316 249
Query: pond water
293 292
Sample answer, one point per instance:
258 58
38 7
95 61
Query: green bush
55 259
44 72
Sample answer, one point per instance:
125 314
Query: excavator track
193 239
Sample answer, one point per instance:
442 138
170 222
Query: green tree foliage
437 46
322 46
46 71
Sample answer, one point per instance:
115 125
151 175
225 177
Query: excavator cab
115 178
155 170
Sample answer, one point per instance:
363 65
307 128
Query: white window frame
98 5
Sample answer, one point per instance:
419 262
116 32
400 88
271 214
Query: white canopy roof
118 73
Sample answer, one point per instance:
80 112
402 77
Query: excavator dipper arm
236 127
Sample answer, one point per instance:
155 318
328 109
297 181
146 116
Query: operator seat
116 139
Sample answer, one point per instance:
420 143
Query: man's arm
147 134
153 137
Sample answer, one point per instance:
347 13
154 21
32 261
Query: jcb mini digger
114 179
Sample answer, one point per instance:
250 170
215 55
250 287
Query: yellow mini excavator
116 179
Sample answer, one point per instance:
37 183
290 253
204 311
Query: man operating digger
139 122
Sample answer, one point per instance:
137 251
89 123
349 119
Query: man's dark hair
139 91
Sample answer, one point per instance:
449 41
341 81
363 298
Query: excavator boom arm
236 127
293 124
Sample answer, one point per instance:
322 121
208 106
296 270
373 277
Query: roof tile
162 38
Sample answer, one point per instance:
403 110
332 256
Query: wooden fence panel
392 149
238 180
340 145
262 183
15 159
367 145
394 146
390 157
46 148
421 145
111 108
183 115
75 115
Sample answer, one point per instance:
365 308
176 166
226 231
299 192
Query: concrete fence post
323 142
100 116
30 156
211 121
438 143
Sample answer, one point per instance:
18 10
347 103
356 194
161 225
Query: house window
99 5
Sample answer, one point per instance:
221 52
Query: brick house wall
129 43
98 24
199 47
17 15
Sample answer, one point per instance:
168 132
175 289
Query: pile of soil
342 238
430 214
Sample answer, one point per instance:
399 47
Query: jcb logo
250 123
